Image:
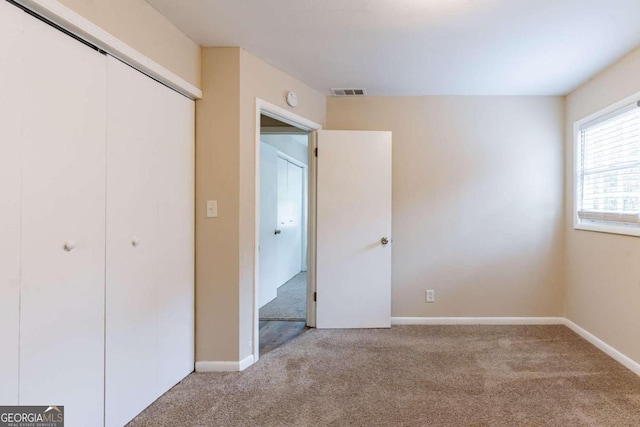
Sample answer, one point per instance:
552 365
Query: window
608 171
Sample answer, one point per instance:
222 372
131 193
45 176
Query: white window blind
608 187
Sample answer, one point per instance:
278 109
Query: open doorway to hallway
283 232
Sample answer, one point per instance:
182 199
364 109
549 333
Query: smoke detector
349 91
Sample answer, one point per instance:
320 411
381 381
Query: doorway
283 232
351 266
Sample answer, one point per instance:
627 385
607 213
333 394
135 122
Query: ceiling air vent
348 92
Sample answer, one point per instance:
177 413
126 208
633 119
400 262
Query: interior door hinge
315 296
316 151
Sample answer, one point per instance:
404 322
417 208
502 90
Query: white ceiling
421 47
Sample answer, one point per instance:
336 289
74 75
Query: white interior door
11 109
132 244
175 183
63 202
353 277
150 242
268 265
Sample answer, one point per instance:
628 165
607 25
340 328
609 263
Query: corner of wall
567 155
601 276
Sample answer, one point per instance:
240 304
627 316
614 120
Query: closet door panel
11 84
63 202
176 239
132 255
283 219
294 188
289 220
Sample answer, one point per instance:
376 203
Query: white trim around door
285 116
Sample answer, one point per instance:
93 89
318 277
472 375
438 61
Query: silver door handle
384 240
277 231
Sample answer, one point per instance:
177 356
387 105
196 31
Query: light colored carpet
413 376
291 302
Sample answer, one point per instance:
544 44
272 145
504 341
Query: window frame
603 227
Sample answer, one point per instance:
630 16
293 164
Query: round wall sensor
292 99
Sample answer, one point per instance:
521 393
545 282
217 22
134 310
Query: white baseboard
477 321
211 366
632 365
246 362
606 348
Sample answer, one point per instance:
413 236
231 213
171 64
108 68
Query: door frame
271 110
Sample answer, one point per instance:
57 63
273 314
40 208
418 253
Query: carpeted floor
413 376
291 302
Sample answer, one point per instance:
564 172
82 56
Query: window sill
628 230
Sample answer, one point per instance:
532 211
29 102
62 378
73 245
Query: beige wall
477 201
139 25
603 270
232 79
217 178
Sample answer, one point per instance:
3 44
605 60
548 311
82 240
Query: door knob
384 240
277 231
69 246
135 242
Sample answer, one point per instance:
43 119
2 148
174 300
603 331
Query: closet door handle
69 245
135 242
277 231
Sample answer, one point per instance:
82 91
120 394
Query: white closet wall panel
132 243
11 83
175 185
63 202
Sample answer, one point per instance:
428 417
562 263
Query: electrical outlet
430 296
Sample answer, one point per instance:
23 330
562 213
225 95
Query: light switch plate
212 208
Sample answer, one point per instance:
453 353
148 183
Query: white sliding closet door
150 241
11 83
63 202
132 243
175 184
